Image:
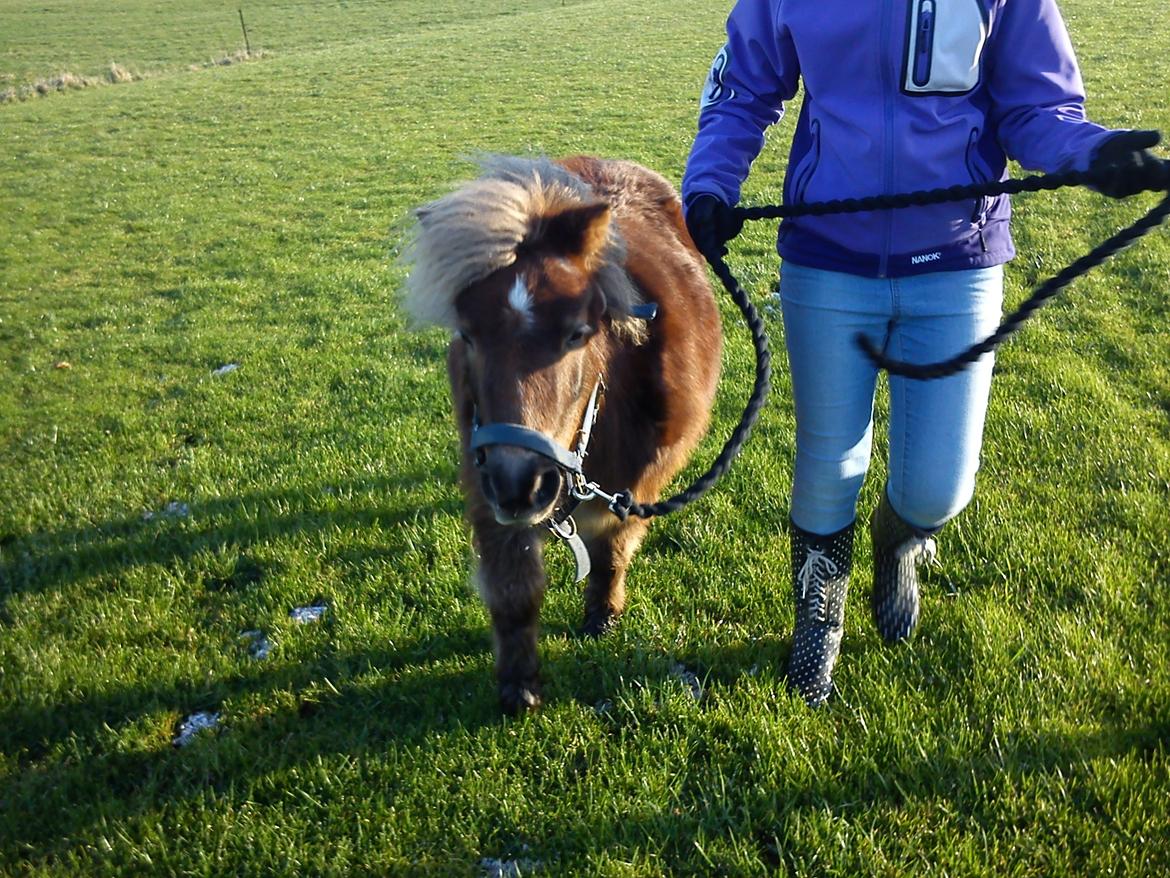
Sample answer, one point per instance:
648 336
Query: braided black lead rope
1107 248
1036 183
623 504
1044 292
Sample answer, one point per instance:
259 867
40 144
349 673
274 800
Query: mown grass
161 229
85 35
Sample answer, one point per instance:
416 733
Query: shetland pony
543 272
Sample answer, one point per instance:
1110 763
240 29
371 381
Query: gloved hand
1124 165
712 224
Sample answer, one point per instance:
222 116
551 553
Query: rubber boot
898 548
820 581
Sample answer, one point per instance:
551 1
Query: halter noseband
503 433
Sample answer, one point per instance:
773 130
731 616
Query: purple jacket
899 95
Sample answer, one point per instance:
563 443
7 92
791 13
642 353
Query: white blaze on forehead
520 300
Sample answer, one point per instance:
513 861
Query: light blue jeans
935 427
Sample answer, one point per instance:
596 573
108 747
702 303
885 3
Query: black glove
1123 164
712 224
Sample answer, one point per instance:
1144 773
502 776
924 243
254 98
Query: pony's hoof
517 698
597 624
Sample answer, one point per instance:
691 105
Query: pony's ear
579 233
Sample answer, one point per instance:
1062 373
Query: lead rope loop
623 504
1107 248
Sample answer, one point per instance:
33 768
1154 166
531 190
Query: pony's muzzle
521 485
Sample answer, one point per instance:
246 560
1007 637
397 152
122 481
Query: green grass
156 230
85 36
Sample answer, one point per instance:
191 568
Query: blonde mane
475 230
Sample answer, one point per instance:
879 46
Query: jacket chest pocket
944 46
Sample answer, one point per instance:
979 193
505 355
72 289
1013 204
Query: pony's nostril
547 488
488 488
480 456
519 486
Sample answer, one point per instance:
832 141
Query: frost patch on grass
311 613
689 679
193 725
258 645
174 509
493 867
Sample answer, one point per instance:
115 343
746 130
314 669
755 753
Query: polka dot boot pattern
898 548
821 567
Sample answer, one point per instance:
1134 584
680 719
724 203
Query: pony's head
524 266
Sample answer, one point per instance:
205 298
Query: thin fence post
244 28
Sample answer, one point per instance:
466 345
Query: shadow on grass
75 777
42 561
311 720
436 686
68 765
409 696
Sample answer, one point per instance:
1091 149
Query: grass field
151 511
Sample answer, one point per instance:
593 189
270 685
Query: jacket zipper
924 43
888 137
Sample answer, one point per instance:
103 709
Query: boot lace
917 550
817 570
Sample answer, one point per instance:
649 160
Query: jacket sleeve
751 77
1038 99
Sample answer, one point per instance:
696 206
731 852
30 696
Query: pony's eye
578 336
464 337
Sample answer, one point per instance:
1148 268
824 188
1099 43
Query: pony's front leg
511 583
610 553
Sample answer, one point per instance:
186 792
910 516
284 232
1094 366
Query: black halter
569 462
504 433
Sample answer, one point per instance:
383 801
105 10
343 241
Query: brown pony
543 271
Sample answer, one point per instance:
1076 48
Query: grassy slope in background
157 230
